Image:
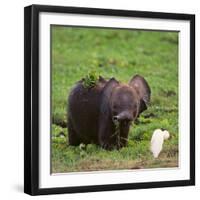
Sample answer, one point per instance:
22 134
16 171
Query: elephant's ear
142 88
106 94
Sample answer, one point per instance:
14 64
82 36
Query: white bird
157 140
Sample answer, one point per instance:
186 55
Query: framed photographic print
109 99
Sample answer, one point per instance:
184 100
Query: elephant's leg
72 135
123 135
105 135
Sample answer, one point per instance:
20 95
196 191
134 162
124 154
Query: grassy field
120 54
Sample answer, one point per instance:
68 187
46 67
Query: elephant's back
83 110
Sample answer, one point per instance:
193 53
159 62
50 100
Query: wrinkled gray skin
103 114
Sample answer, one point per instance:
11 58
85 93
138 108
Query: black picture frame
31 98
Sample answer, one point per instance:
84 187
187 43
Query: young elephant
102 114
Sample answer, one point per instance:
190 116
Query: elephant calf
102 114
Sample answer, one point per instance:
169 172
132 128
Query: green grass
120 54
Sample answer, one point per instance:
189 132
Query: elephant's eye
114 112
114 107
